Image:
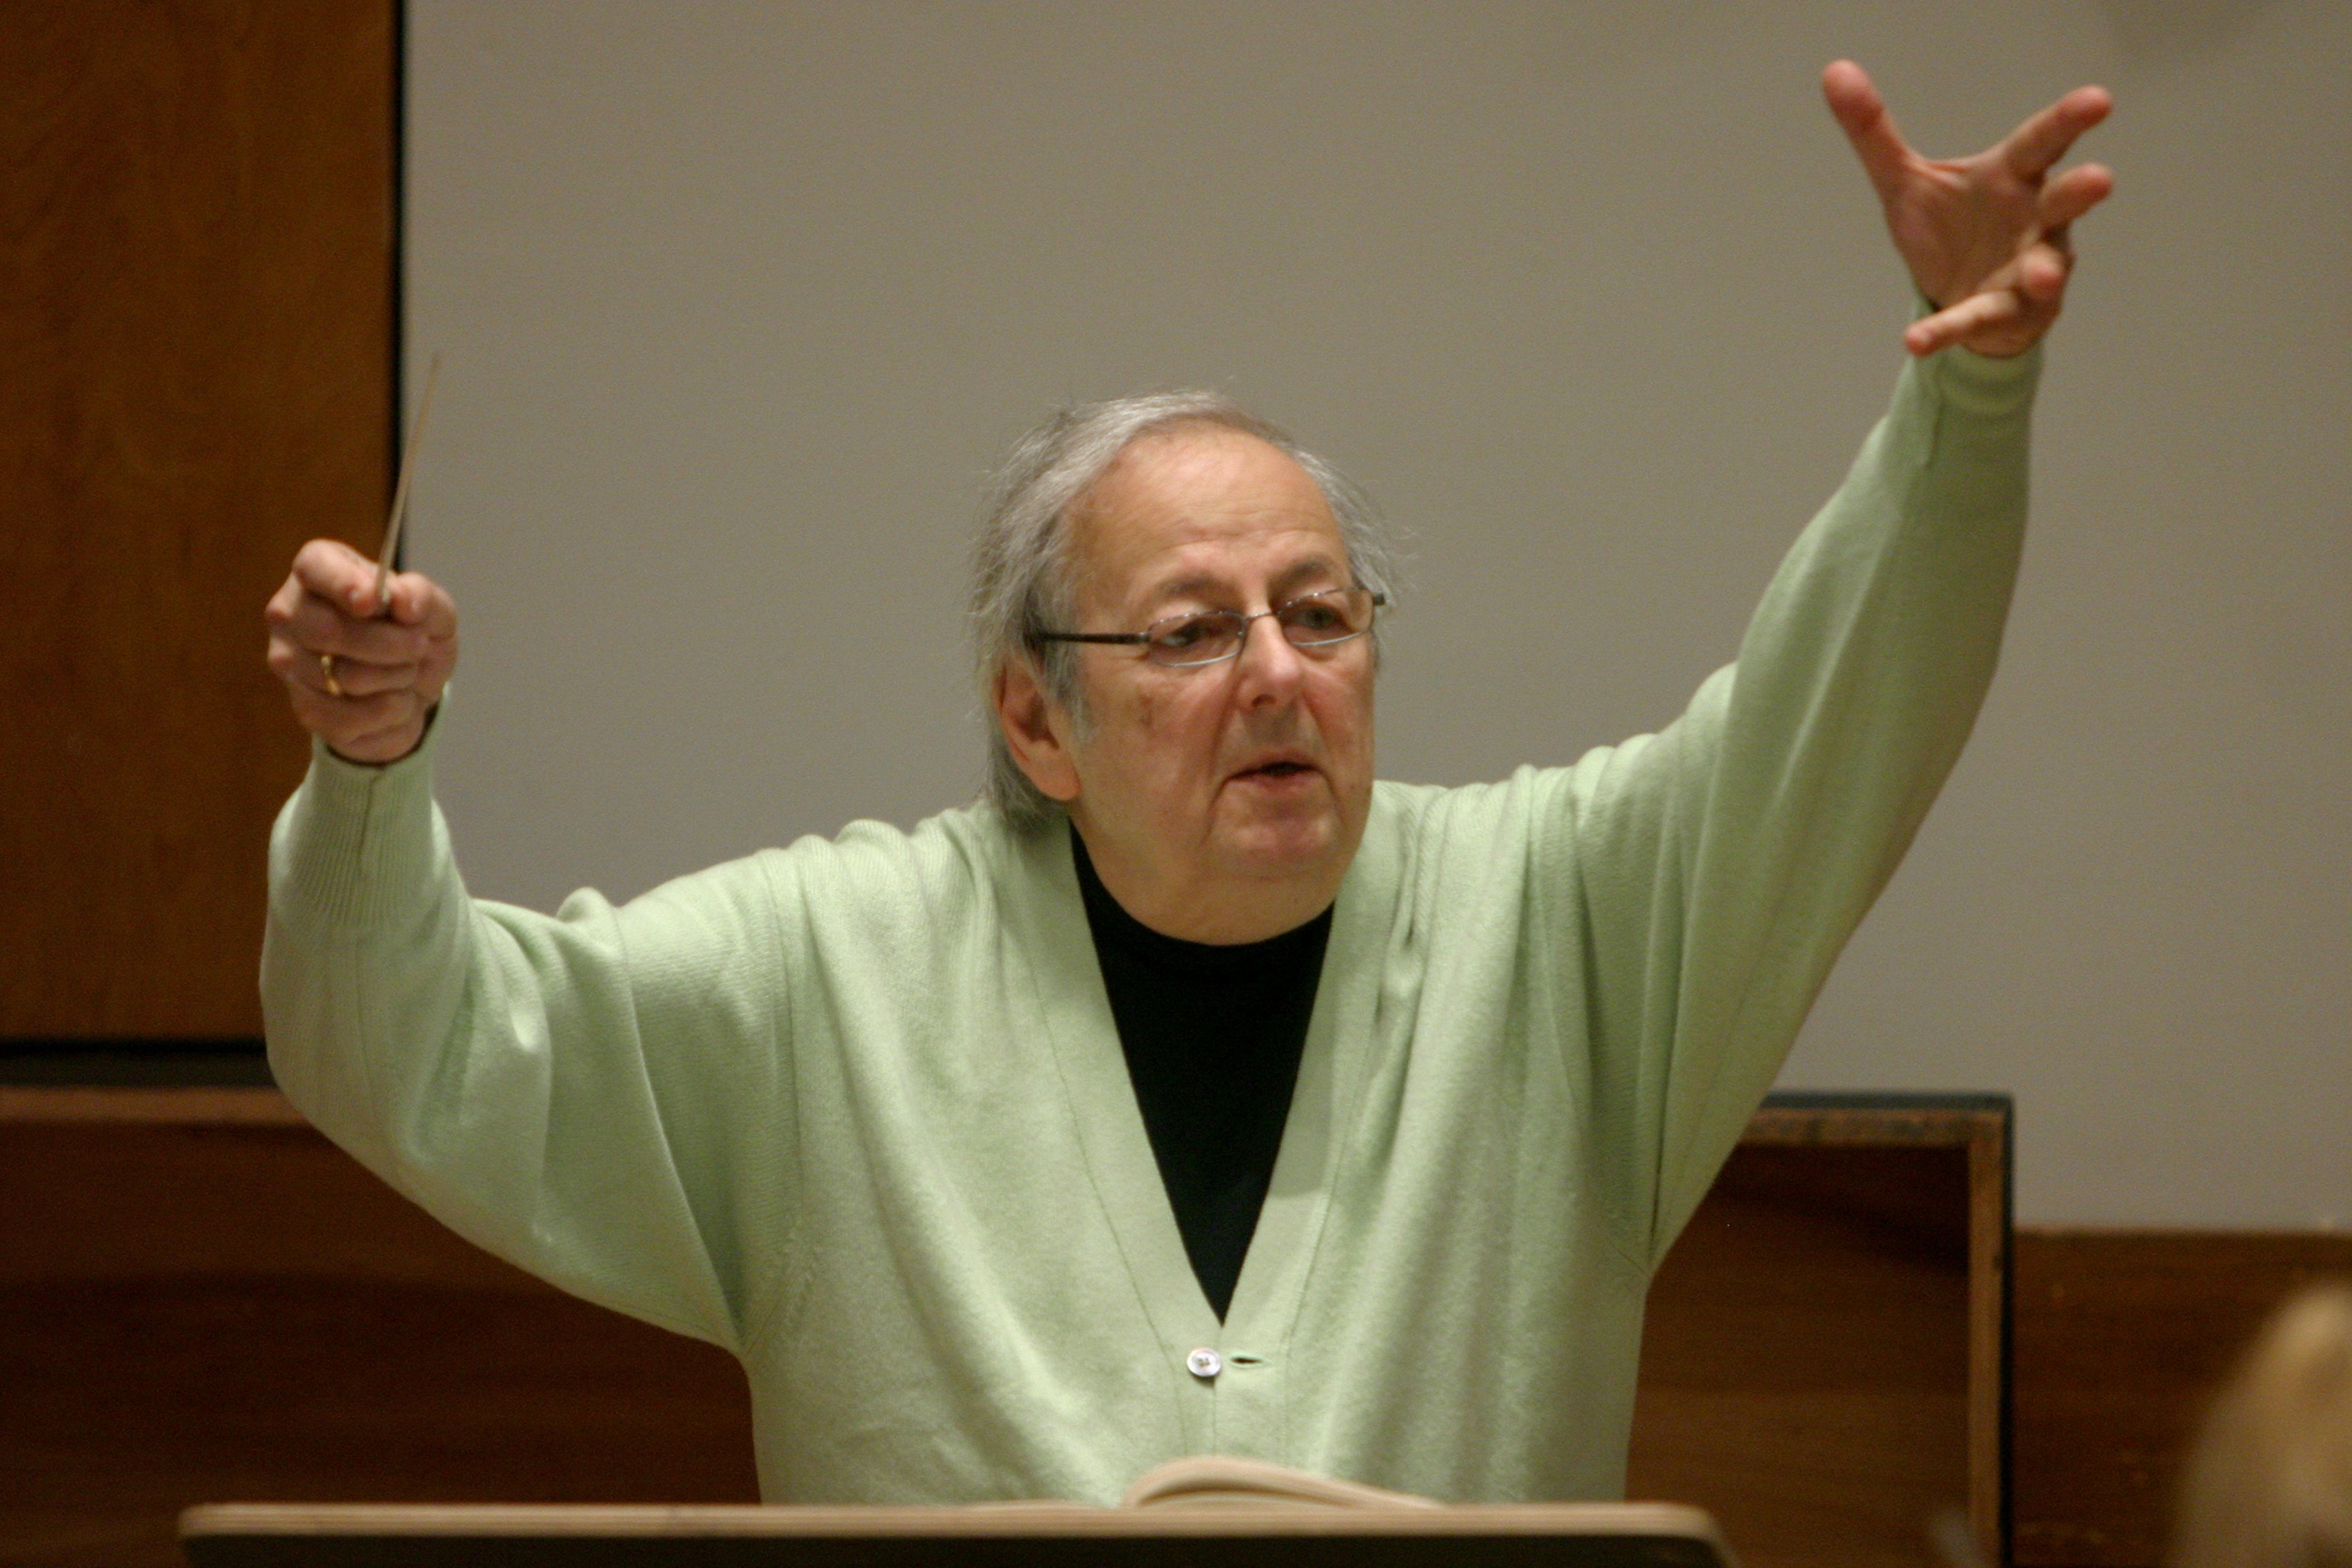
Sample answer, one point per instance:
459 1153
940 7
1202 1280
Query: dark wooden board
1805 1360
195 327
225 1306
2123 1338
1376 1551
1013 1535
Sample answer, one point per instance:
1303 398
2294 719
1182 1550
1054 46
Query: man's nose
1270 668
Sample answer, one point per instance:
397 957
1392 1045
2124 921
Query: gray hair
1023 582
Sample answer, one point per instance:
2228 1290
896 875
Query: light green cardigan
856 1109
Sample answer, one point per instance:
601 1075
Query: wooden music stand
1220 1534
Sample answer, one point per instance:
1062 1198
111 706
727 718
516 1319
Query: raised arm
581 1094
1717 867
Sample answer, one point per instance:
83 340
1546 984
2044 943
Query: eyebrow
1289 577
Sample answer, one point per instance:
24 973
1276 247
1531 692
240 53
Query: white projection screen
740 303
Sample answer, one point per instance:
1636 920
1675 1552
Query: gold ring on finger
327 672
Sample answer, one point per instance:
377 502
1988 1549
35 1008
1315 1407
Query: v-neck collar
1048 928
1111 925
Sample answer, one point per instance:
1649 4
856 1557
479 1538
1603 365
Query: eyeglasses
1210 637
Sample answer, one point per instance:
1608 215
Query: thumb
406 593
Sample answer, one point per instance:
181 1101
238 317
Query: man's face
1247 780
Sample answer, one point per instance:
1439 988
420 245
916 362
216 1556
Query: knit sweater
855 1109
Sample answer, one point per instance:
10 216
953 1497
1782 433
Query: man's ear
1037 729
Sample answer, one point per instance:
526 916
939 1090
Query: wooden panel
195 311
2122 1338
207 1300
214 1303
1981 1126
1805 1368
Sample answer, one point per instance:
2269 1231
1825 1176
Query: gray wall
741 302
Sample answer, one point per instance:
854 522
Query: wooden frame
1980 1125
1844 1286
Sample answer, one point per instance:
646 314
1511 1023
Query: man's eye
1313 618
1185 633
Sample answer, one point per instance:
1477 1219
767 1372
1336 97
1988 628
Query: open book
1224 1480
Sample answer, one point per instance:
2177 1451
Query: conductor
1192 1090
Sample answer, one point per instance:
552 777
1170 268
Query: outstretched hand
1985 237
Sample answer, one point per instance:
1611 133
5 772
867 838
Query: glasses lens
1201 638
1319 619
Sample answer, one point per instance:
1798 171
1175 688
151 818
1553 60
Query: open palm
1985 237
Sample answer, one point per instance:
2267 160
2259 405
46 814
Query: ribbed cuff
1980 384
353 837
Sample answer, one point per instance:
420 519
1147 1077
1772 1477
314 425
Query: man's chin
1275 839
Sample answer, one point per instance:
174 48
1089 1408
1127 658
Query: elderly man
1192 1091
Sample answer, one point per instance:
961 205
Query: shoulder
874 900
1526 800
948 865
1542 819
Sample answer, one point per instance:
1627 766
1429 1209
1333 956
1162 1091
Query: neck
1207 907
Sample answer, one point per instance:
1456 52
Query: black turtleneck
1213 1036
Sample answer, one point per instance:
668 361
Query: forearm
1858 682
1718 867
1863 671
502 1067
364 961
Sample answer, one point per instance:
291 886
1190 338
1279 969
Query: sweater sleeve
597 1096
1714 870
